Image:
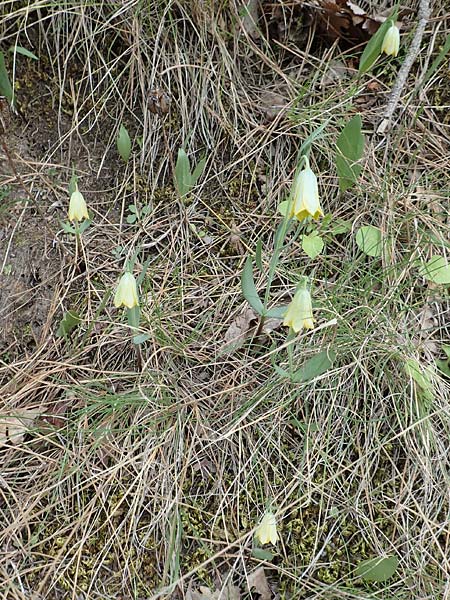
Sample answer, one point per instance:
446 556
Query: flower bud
299 312
391 41
267 530
77 207
126 294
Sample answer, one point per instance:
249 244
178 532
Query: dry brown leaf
258 581
271 324
235 238
249 22
272 103
338 20
15 424
229 592
428 323
356 10
239 330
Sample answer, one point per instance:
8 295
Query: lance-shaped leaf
124 143
23 51
350 145
5 84
198 171
373 49
315 366
249 289
182 173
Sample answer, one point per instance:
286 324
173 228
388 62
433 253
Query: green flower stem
280 240
276 255
273 265
78 233
279 246
290 336
281 237
77 240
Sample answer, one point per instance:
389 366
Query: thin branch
394 96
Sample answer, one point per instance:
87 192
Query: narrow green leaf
437 61
422 375
282 207
373 49
84 225
315 366
67 227
258 255
70 320
129 266
273 355
377 569
312 244
143 272
278 312
23 51
278 232
124 143
436 270
73 184
5 84
281 372
350 144
368 239
444 366
182 173
249 288
198 171
315 135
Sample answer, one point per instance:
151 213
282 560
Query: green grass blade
23 52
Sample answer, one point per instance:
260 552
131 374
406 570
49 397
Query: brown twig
413 51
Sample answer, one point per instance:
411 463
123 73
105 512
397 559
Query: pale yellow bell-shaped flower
77 207
126 294
391 41
299 312
305 202
267 530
